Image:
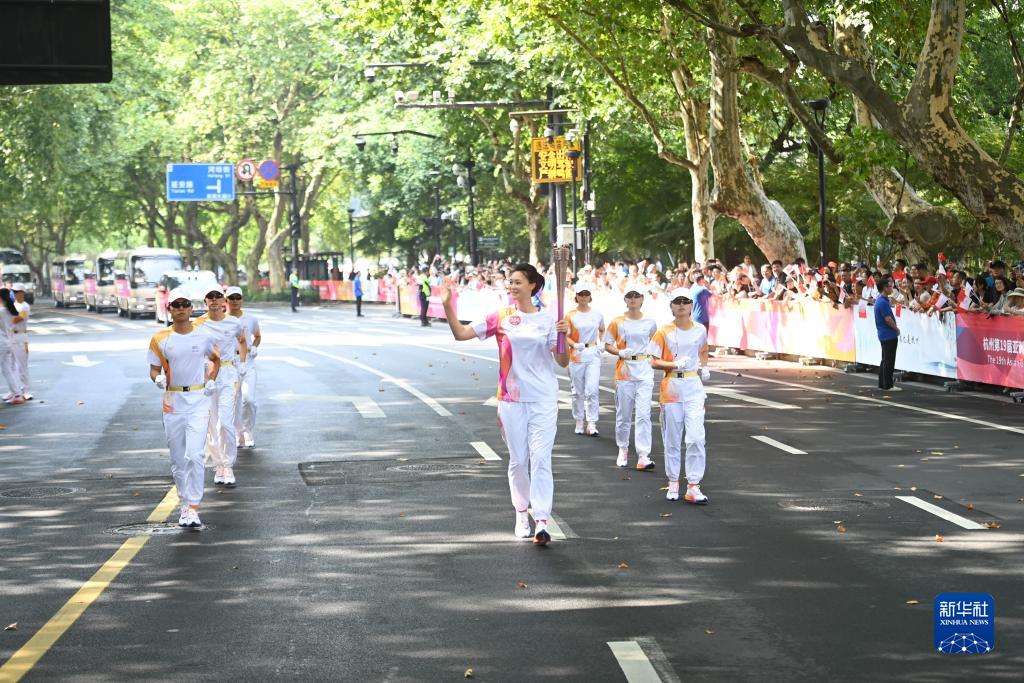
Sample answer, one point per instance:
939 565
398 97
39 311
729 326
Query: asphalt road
370 537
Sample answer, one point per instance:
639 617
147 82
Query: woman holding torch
527 391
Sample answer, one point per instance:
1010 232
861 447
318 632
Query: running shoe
592 429
183 518
229 478
579 426
8 396
193 519
673 491
218 476
27 396
522 524
623 460
645 463
16 401
248 440
541 535
694 495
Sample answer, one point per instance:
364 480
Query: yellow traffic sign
549 163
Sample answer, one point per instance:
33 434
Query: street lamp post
573 155
296 230
437 208
351 238
464 172
820 108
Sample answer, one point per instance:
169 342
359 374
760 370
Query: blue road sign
269 169
200 182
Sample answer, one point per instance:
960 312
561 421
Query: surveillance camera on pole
360 143
394 145
513 125
370 74
399 96
549 133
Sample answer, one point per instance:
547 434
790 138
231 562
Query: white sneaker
218 476
522 524
623 460
183 518
229 478
247 438
673 491
645 463
193 519
695 496
541 535
592 429
8 396
579 426
27 396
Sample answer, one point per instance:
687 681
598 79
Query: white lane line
290 360
891 404
778 444
485 451
366 406
100 328
633 662
939 512
400 383
739 396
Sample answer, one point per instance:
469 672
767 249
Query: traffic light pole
296 230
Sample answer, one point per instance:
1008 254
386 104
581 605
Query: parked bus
8 255
136 275
67 280
19 272
99 283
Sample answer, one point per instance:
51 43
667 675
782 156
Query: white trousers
633 404
684 422
529 432
186 439
585 377
246 417
222 442
9 368
20 349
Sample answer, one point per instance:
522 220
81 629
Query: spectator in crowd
1001 289
700 295
899 270
749 268
768 281
1015 302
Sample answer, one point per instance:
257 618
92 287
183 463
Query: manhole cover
152 529
431 468
829 504
39 492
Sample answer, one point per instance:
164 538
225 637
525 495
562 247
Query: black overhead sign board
54 41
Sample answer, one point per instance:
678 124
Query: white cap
179 293
680 291
582 287
233 290
18 287
633 288
213 288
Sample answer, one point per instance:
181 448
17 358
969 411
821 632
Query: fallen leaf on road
900 465
81 403
626 477
709 632
841 529
991 525
136 493
522 584
2 427
623 565
937 453
937 497
664 488
235 567
970 506
12 627
402 459
401 514
859 495
939 539
913 602
913 488
468 674
666 514
483 462
896 488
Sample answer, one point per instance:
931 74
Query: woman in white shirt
586 328
8 362
527 392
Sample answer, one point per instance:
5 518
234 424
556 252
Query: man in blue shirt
699 295
888 334
767 281
357 289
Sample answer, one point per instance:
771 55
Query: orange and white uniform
186 407
222 442
585 363
527 402
682 398
8 361
634 380
20 348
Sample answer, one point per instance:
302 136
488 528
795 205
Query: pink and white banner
927 343
990 349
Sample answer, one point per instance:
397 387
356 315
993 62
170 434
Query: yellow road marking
22 661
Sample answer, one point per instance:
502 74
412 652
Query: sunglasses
213 296
235 297
634 295
180 304
681 301
583 293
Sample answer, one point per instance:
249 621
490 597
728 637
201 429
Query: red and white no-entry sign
245 170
